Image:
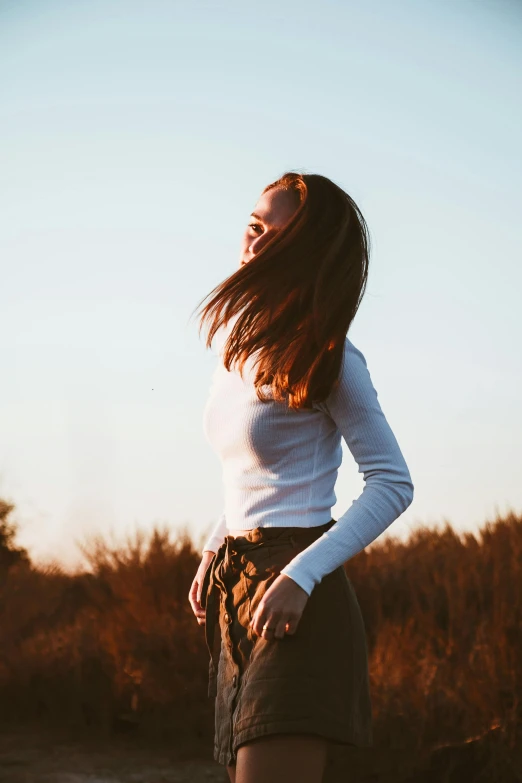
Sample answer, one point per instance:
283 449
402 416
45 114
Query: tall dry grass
118 646
444 621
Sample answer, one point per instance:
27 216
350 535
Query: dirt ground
42 756
39 757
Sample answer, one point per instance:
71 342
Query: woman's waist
243 518
271 533
234 532
273 530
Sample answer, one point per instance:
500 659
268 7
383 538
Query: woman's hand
280 609
195 589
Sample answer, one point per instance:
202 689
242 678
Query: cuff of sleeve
217 535
212 544
300 578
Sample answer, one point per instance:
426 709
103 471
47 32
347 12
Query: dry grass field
103 673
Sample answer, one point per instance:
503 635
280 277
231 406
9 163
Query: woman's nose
259 243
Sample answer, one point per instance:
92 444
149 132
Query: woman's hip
331 626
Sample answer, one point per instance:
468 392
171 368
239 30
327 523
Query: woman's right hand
195 589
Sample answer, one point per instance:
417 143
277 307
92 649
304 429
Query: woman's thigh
279 758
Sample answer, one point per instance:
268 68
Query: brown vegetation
117 649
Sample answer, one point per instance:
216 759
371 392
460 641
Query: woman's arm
388 490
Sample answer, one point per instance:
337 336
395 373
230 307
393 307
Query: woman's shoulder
354 378
354 365
352 351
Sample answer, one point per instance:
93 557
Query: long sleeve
217 535
388 490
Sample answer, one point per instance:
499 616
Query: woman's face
271 213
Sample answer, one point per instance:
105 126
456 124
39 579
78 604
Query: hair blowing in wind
296 299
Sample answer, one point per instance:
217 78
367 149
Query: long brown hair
296 299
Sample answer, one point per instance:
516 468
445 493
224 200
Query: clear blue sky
135 139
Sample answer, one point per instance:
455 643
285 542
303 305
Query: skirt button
234 680
227 617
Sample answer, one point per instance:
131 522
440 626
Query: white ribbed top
280 465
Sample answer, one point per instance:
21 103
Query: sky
135 139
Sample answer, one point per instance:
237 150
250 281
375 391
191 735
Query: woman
288 658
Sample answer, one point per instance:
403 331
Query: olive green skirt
314 681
